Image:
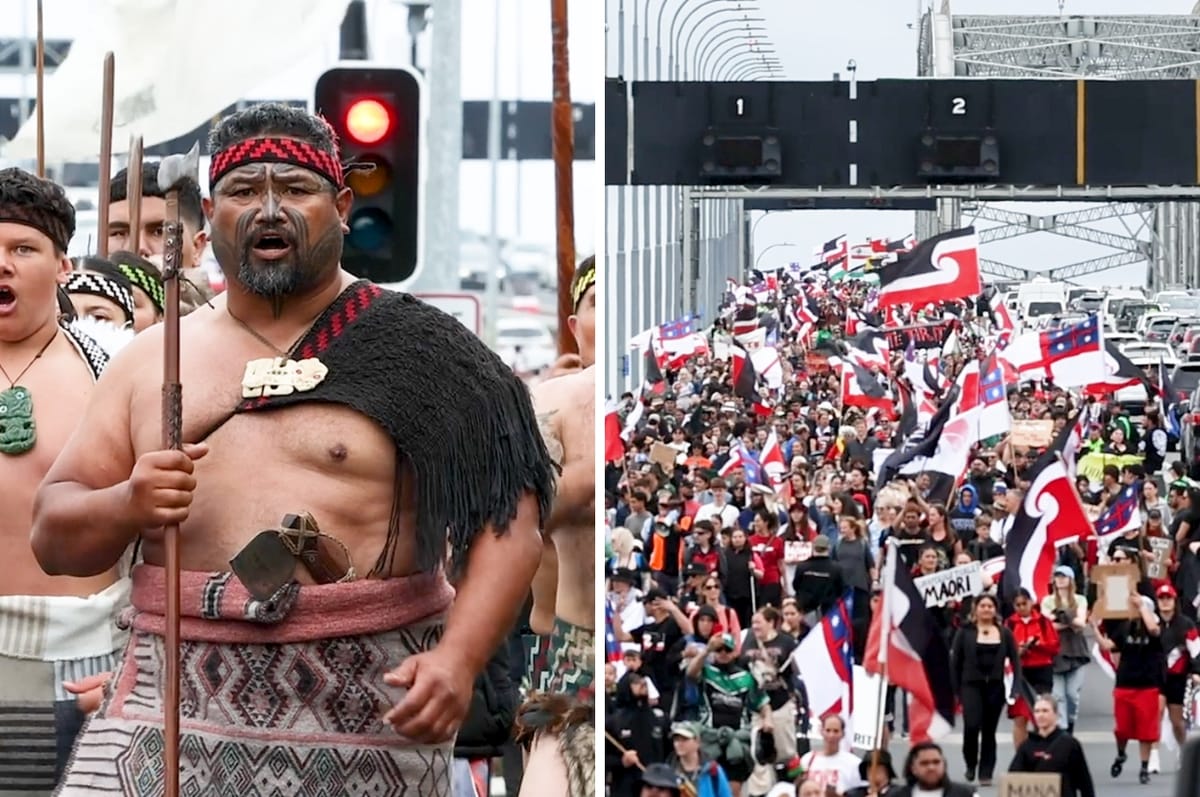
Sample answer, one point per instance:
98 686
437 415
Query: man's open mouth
7 297
271 242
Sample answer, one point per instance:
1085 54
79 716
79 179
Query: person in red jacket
1038 643
769 546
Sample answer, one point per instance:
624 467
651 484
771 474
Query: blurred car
1147 357
1189 434
1157 326
1185 379
1182 333
525 344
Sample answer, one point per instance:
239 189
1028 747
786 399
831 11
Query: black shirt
1141 665
657 640
1192 518
768 663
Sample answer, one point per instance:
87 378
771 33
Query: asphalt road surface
1094 731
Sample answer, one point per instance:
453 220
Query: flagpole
890 554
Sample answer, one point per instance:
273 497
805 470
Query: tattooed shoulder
551 436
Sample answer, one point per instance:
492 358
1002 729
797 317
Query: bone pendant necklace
280 375
18 433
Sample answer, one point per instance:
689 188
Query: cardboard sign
664 456
1031 434
1030 784
1161 547
796 552
1114 584
949 585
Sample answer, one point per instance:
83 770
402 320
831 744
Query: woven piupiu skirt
281 697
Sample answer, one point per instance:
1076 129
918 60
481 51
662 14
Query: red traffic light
368 121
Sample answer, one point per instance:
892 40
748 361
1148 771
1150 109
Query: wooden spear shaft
172 433
562 133
686 789
133 195
173 172
40 109
106 132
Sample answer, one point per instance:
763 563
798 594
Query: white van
1119 293
1041 297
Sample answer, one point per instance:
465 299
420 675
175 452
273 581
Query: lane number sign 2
958 106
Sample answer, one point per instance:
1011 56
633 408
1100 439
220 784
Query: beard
300 270
273 279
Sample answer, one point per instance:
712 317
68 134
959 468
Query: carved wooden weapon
172 173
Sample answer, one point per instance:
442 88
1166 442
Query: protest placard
953 584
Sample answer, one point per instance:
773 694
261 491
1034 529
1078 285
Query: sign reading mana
954 584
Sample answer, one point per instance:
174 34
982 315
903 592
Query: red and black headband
276 150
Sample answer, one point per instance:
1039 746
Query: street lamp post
759 257
742 59
715 49
674 54
752 72
687 43
719 65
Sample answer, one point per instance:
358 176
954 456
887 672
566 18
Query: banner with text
923 336
954 584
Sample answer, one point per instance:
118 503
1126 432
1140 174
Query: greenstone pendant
17 430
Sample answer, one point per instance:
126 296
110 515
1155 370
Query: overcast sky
815 40
523 35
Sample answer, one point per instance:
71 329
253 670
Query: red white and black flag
745 380
1120 373
655 381
834 252
1050 516
939 269
860 388
904 637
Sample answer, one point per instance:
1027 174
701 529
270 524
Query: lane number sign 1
740 107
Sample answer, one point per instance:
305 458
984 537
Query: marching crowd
769 467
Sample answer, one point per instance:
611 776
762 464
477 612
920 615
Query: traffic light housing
376 113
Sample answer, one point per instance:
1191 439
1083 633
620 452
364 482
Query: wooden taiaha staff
40 108
106 131
133 193
562 139
173 172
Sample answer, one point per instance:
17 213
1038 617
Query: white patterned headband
104 287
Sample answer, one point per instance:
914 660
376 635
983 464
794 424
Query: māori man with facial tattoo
340 440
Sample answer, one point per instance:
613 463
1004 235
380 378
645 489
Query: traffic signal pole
491 303
442 162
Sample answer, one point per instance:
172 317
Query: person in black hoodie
639 728
818 582
1181 654
1050 749
741 572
